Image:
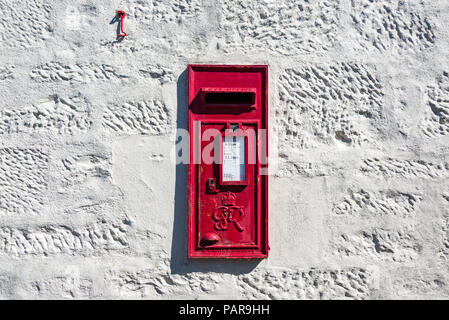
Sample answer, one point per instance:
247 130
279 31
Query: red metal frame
233 221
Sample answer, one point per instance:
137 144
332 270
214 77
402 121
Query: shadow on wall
179 263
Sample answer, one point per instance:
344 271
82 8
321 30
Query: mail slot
228 182
242 98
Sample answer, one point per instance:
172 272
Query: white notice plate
233 167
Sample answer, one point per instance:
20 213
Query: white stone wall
92 206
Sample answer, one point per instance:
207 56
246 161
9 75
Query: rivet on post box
228 182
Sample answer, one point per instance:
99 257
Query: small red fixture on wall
122 15
228 182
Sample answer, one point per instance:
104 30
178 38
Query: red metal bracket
122 15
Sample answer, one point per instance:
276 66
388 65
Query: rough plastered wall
92 206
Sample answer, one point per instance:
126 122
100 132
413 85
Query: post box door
227 187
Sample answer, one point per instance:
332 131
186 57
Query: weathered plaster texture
92 205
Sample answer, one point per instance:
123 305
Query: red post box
228 181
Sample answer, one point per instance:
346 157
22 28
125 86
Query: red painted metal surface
228 219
